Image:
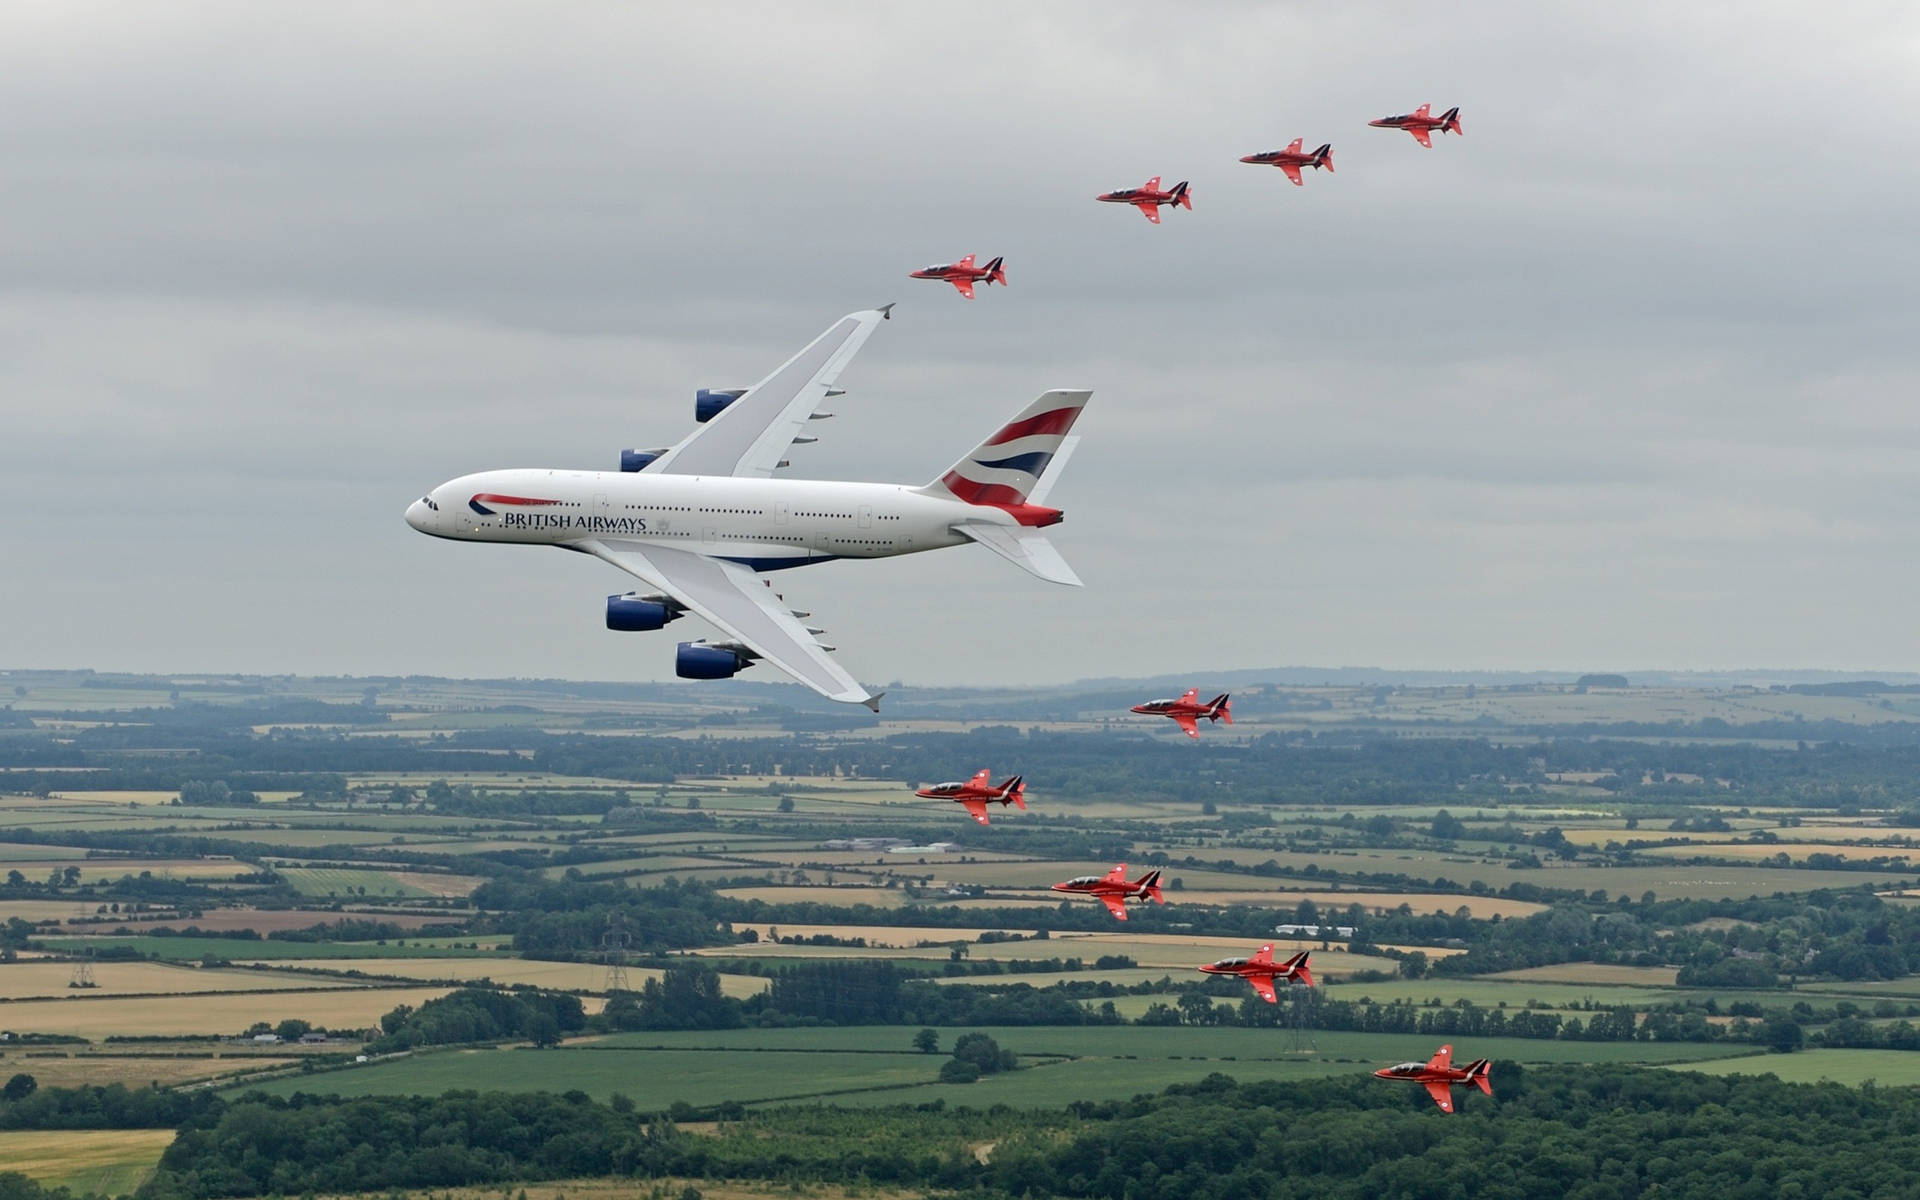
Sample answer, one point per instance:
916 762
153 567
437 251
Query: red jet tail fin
997 272
1323 157
1017 792
1451 121
1220 708
1479 1075
1182 196
1300 969
1151 885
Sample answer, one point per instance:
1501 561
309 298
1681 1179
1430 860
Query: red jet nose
1250 158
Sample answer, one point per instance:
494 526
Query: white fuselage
767 524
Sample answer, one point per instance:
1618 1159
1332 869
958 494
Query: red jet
977 792
1261 971
1293 158
1188 710
1113 889
1148 198
1438 1075
963 274
1421 122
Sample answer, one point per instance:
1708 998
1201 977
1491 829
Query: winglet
873 702
886 310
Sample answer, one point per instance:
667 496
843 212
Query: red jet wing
1294 146
1442 1059
1264 985
1116 906
978 808
982 778
1420 135
1442 1095
1293 173
1150 209
1186 722
964 286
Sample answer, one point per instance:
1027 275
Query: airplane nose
419 516
1247 158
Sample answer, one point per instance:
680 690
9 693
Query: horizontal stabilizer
1028 549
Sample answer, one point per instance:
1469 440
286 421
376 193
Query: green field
1851 1067
872 1064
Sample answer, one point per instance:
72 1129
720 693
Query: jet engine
637 460
709 403
709 660
633 613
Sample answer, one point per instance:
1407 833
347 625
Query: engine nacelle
703 660
709 403
640 614
637 460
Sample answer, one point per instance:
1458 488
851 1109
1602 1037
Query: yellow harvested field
111 1161
103 870
229 1014
1597 973
44 979
122 799
134 1072
566 976
1795 851
876 935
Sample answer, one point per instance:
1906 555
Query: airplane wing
1190 696
750 436
1293 147
1186 722
963 286
1264 985
1116 906
982 777
1442 1095
734 599
1420 135
1149 209
978 808
1442 1059
1293 173
1118 874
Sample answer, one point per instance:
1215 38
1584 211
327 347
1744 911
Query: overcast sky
1627 376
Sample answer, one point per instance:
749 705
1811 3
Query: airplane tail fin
1009 465
1450 120
1017 792
1182 196
1220 708
1300 969
997 271
1151 885
1479 1074
1323 157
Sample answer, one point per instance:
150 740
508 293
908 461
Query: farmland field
341 1007
51 1069
1813 1066
109 1162
190 949
333 881
40 980
508 971
871 1065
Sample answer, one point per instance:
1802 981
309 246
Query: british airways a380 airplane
696 523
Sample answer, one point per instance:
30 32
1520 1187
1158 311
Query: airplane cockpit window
1406 1068
1084 879
1231 962
428 501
